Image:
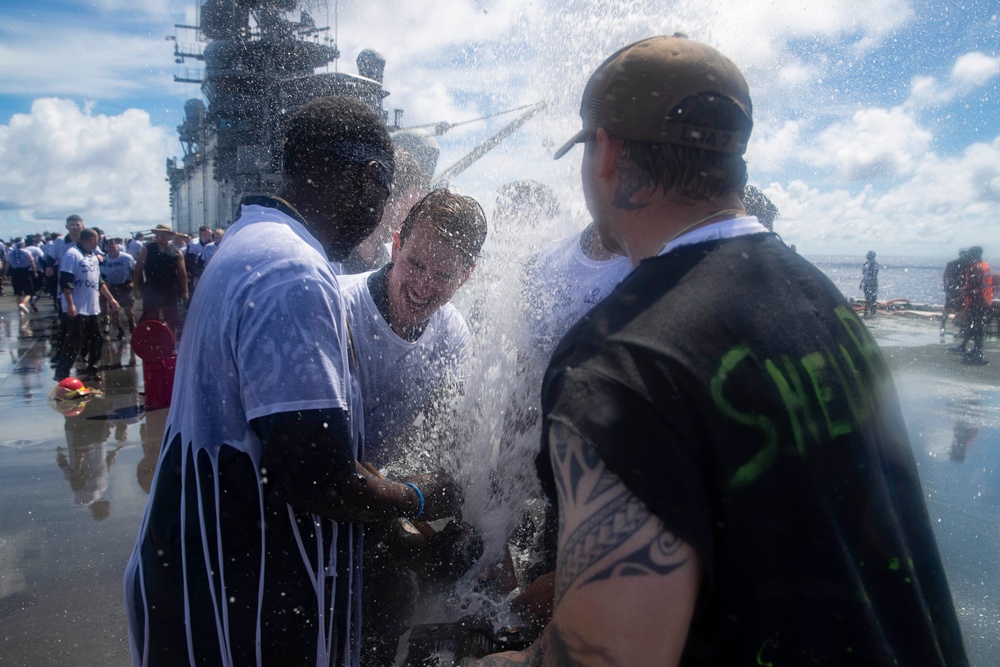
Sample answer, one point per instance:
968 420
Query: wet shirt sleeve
290 347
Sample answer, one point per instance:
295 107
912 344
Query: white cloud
63 159
947 202
973 70
875 144
84 62
772 148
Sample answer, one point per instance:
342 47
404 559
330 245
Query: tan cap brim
578 138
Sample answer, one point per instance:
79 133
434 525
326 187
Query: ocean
917 280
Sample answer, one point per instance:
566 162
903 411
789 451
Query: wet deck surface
72 489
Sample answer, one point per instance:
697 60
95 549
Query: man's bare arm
625 585
140 266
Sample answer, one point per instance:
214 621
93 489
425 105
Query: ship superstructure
259 65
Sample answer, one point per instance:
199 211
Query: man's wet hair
89 233
696 173
327 134
73 218
458 219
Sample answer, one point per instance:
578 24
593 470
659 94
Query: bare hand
443 496
114 306
71 310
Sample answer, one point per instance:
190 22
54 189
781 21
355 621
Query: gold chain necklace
294 210
728 211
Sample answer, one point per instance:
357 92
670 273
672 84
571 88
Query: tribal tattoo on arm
610 535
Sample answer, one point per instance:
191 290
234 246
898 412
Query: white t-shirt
561 285
399 378
118 270
194 248
266 333
62 244
208 252
134 247
86 280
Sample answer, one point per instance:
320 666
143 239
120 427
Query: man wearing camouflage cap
734 487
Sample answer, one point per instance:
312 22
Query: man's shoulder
450 324
354 283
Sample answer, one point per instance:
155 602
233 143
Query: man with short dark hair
733 487
117 270
82 286
410 340
74 225
250 551
192 253
412 348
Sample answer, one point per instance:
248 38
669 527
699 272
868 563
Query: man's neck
301 202
670 217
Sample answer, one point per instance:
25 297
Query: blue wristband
420 497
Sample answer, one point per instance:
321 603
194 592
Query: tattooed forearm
659 558
599 534
631 180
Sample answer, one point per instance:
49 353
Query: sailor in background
977 293
161 278
82 286
869 283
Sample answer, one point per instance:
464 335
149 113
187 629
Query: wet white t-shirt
266 334
118 270
399 378
561 285
86 280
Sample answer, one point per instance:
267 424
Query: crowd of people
93 279
725 486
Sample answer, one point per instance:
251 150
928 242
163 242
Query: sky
877 122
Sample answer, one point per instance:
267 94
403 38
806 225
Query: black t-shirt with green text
732 389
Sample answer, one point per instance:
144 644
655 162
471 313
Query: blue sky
877 122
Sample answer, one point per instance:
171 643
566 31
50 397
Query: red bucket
153 342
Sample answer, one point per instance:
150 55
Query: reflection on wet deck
72 489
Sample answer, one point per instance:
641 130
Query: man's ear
396 243
468 274
609 152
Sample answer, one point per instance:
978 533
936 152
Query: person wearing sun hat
721 434
161 277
